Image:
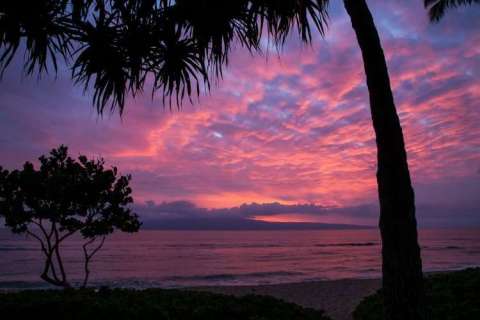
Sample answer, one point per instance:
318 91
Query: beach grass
451 296
156 304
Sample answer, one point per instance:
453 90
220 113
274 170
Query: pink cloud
292 130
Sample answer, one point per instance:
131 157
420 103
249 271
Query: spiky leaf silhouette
115 47
437 8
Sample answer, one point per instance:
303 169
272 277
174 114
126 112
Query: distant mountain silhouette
240 224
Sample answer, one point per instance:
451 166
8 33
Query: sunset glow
292 128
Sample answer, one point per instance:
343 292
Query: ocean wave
224 246
348 244
443 247
18 249
7 285
233 276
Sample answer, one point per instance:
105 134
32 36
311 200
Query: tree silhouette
64 197
437 8
183 44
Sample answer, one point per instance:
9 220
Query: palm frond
281 17
101 58
437 8
179 67
116 44
214 25
44 39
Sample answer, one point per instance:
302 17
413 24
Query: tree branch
49 266
51 248
89 256
59 258
42 244
48 259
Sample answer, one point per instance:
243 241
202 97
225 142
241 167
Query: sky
288 131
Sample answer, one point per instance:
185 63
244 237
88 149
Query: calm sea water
191 258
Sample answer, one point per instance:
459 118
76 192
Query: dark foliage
437 8
452 296
114 46
155 304
63 197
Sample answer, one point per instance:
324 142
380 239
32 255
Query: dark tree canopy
117 46
63 197
437 8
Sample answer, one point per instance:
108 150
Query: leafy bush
452 296
156 304
63 197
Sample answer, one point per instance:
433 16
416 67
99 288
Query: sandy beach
337 297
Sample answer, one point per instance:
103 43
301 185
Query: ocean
154 258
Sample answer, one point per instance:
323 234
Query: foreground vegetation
452 296
156 304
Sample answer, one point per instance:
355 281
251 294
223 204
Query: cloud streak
290 130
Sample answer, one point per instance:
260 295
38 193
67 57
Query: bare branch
48 266
66 235
57 254
49 252
42 244
51 248
98 247
89 256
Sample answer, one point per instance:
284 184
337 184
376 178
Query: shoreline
338 298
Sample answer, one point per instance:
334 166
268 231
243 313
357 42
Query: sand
338 298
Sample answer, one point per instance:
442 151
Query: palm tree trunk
403 290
